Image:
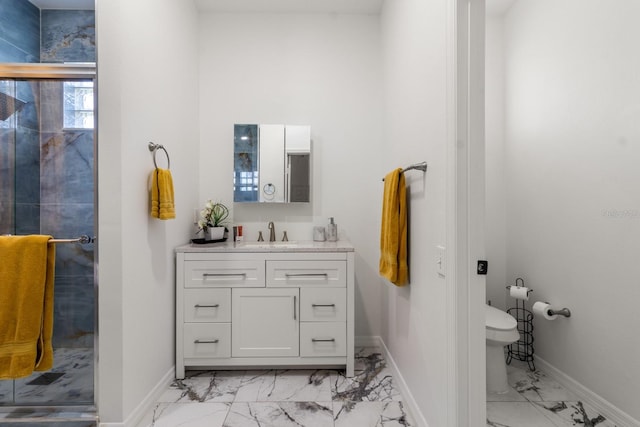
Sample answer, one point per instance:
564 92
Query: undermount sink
267 245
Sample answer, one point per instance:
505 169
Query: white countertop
246 246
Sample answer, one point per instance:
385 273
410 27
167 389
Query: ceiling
287 6
64 4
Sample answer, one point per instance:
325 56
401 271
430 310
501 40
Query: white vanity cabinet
243 306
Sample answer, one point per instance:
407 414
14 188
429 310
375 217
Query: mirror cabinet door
271 177
298 173
272 163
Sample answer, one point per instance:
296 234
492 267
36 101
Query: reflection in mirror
298 150
245 163
272 163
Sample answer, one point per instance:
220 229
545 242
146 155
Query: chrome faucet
272 231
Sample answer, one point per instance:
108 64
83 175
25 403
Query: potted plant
212 220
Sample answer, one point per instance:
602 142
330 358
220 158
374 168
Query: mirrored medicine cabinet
271 163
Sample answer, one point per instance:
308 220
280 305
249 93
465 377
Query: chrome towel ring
154 149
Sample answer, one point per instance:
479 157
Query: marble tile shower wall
19 31
46 171
68 36
20 162
67 210
7 185
46 177
28 34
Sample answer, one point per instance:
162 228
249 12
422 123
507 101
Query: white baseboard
137 415
603 406
398 380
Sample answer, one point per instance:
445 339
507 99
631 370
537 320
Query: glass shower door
47 186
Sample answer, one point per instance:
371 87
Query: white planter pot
216 233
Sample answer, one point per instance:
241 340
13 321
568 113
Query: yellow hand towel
393 234
26 305
162 204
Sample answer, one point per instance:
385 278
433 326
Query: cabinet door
265 322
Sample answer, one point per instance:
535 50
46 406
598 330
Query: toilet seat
498 320
501 328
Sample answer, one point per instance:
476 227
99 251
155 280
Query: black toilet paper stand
523 348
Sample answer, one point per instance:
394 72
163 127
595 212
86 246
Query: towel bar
418 166
83 240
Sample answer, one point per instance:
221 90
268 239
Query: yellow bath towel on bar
162 202
26 305
393 233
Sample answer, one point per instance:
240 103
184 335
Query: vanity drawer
207 305
307 272
207 340
323 305
323 339
226 273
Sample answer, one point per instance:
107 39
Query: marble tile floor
283 398
536 400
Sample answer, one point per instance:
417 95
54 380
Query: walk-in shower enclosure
47 186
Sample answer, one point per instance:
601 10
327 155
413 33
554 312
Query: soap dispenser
332 231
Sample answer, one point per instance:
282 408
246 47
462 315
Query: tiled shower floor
536 400
37 397
283 398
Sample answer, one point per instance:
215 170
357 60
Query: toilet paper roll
542 309
519 292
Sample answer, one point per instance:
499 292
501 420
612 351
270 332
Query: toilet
501 330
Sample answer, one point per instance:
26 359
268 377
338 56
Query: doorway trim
465 205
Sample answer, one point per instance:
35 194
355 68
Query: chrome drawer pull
323 305
306 275
206 342
207 306
295 298
323 339
223 274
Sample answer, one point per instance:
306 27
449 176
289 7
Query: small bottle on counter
332 231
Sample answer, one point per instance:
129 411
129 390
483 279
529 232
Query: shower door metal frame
66 71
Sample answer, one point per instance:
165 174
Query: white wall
375 98
415 80
573 207
147 85
496 185
321 70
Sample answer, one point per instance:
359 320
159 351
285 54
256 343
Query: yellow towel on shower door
26 305
162 203
393 234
